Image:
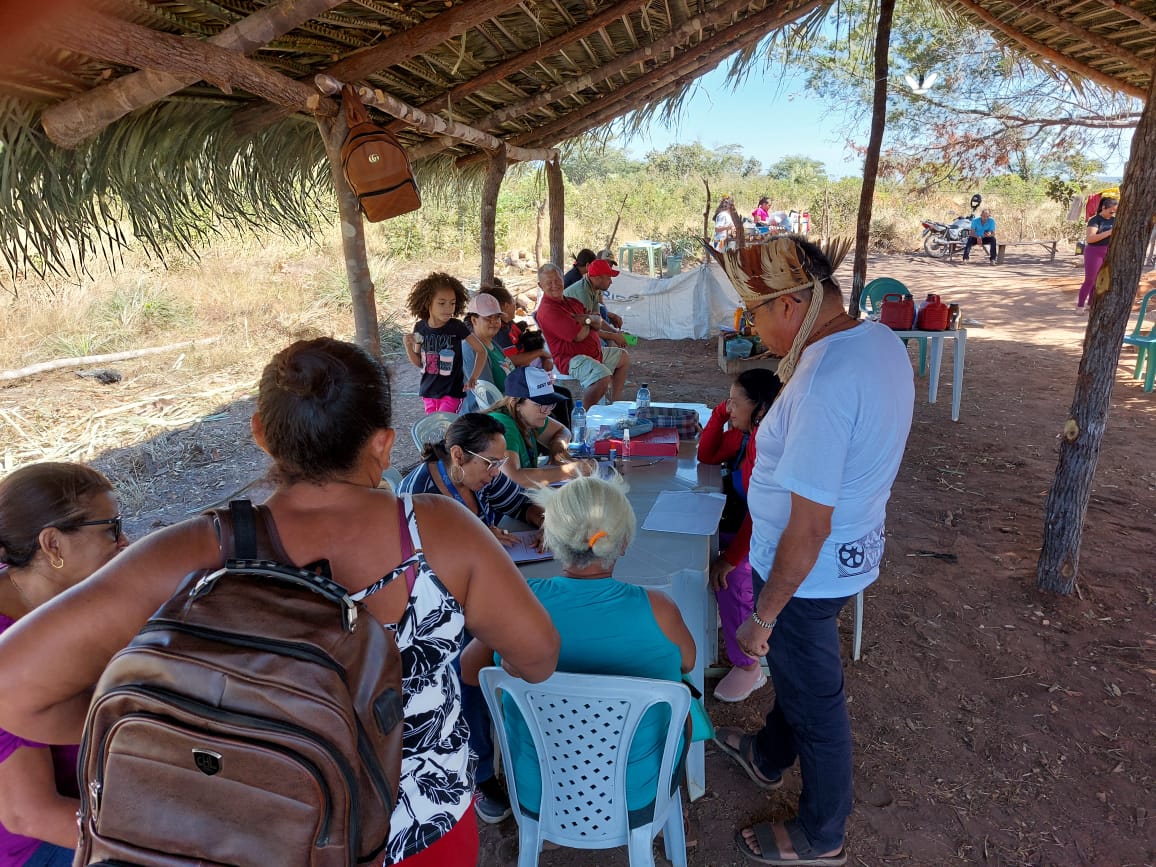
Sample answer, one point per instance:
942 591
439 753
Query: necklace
19 591
821 332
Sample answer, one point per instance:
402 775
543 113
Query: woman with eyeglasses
467 465
58 525
524 414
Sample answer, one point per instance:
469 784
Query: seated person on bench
982 232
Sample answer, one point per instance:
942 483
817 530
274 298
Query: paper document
525 551
685 512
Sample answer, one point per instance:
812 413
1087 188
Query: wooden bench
1051 246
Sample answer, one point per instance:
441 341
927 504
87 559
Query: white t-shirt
835 436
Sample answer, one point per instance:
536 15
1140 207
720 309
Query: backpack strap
244 530
355 111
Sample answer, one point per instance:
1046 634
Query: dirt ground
993 723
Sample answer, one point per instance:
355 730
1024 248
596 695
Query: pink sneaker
740 683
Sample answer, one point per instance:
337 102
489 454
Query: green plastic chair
1145 344
871 303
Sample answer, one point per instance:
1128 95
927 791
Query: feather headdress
763 272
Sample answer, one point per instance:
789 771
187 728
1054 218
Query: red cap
600 268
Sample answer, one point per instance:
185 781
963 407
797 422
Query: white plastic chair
582 726
432 428
392 477
486 394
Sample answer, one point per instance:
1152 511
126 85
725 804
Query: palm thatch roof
209 136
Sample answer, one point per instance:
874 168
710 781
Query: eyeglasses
115 526
491 464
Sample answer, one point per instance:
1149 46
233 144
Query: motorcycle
940 238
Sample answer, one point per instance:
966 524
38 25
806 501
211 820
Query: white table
675 563
937 338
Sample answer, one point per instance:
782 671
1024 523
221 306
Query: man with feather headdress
828 453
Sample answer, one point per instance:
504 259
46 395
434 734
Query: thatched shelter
181 116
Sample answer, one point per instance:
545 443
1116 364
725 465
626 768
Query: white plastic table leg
933 372
957 373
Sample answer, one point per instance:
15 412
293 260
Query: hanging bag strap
355 111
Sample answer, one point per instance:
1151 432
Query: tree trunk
352 240
557 191
871 159
1083 432
489 216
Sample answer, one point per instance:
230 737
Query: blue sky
773 118
769 117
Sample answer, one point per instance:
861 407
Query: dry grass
256 296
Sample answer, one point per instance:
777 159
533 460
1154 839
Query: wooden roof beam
433 124
660 82
1064 25
92 34
528 58
69 123
1050 54
1136 15
673 41
395 49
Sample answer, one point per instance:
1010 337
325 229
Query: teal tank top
606 627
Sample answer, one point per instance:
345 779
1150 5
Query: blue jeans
808 721
47 855
477 717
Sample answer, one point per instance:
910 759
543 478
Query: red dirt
993 723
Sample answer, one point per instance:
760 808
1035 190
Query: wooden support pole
361 289
1083 433
69 123
489 213
871 157
1062 60
93 34
393 50
673 41
431 123
517 63
555 185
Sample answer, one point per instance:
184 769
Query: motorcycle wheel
936 247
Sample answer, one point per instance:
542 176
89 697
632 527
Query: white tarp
692 305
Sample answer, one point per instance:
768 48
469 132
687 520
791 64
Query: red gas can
933 315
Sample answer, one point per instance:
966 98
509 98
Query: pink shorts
458 848
442 404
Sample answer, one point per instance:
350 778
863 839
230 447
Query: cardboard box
662 442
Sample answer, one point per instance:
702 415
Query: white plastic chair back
582 727
486 394
392 477
432 428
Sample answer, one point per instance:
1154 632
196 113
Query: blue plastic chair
582 727
871 303
1145 343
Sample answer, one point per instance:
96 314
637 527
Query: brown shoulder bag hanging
375 165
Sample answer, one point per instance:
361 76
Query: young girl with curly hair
435 345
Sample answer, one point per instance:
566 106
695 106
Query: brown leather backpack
375 165
254 720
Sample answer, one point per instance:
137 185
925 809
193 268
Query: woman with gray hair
606 626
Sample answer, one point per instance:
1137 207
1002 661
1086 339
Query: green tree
597 160
987 111
694 159
798 169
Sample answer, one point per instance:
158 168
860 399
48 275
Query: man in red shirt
572 335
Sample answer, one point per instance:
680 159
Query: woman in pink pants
729 439
1099 233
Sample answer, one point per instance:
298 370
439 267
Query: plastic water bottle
578 428
642 399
